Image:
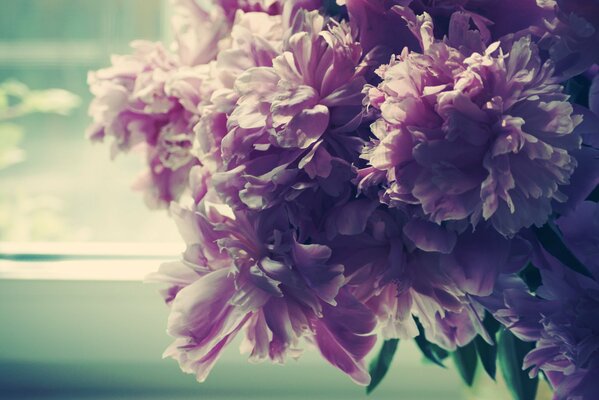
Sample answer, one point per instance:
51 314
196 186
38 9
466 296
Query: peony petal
304 129
343 336
429 236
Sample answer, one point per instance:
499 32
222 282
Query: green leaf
594 196
466 360
578 89
332 9
430 351
511 353
486 352
381 363
551 240
532 277
491 325
487 355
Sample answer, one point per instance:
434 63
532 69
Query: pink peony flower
151 99
136 106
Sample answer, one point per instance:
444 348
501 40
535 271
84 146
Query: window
66 188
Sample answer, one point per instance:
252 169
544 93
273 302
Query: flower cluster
371 169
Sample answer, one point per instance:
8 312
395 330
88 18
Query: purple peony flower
288 128
562 317
387 268
152 99
439 287
562 320
137 104
468 132
253 271
122 103
567 347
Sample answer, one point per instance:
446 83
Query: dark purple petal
429 236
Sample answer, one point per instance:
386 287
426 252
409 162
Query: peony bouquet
348 171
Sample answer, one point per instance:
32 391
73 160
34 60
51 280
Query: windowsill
78 323
83 261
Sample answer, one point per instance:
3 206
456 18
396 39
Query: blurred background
64 188
75 241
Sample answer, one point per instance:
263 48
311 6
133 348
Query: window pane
66 188
66 20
